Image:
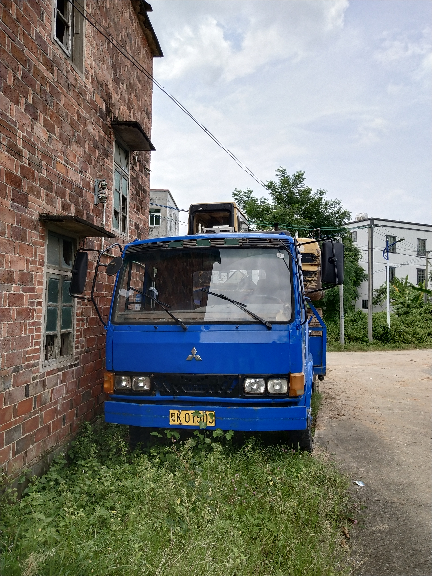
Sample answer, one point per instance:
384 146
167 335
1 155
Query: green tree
296 207
292 205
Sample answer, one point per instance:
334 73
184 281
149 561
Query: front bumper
228 417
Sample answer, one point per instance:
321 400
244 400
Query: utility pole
370 277
386 252
341 315
388 293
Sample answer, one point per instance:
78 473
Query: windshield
183 281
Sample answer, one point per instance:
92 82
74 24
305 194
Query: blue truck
215 328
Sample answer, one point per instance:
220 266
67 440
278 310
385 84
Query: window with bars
392 273
421 247
391 240
59 306
421 275
365 304
121 188
69 29
155 217
354 236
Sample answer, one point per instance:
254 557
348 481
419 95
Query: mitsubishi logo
194 355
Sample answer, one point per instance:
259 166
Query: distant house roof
164 190
389 220
141 7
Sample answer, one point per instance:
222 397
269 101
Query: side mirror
114 266
332 262
79 273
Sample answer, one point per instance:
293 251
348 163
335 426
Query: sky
340 89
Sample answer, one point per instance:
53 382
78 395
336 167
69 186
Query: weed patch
200 506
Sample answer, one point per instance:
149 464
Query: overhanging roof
67 224
131 135
141 8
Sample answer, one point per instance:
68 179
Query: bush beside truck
410 319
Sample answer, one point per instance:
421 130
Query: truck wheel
305 440
138 436
302 439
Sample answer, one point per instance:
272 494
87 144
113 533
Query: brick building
74 110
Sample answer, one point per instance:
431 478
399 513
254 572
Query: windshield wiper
241 306
161 304
165 307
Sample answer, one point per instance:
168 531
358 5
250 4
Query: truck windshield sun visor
229 285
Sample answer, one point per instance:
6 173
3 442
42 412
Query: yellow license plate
191 418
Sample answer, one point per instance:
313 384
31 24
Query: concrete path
376 422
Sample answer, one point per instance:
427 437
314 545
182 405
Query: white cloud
269 32
409 52
372 130
396 47
314 85
424 70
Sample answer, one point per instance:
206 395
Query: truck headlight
277 386
122 382
141 383
254 385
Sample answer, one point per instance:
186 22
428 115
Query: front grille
226 385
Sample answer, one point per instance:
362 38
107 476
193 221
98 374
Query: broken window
121 188
59 305
69 29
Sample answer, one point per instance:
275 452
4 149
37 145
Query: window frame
365 304
74 21
354 236
392 273
139 316
421 272
390 238
421 251
62 273
123 205
156 213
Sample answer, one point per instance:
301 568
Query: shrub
410 322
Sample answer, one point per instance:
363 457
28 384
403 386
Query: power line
170 207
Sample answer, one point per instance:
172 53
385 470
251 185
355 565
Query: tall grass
197 507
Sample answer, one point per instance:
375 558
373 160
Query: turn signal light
108 385
296 384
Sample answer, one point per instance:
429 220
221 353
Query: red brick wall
55 139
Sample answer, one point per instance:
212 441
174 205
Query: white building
163 214
407 257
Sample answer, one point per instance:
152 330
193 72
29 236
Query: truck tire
305 440
302 439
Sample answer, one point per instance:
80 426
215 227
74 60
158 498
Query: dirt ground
375 422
